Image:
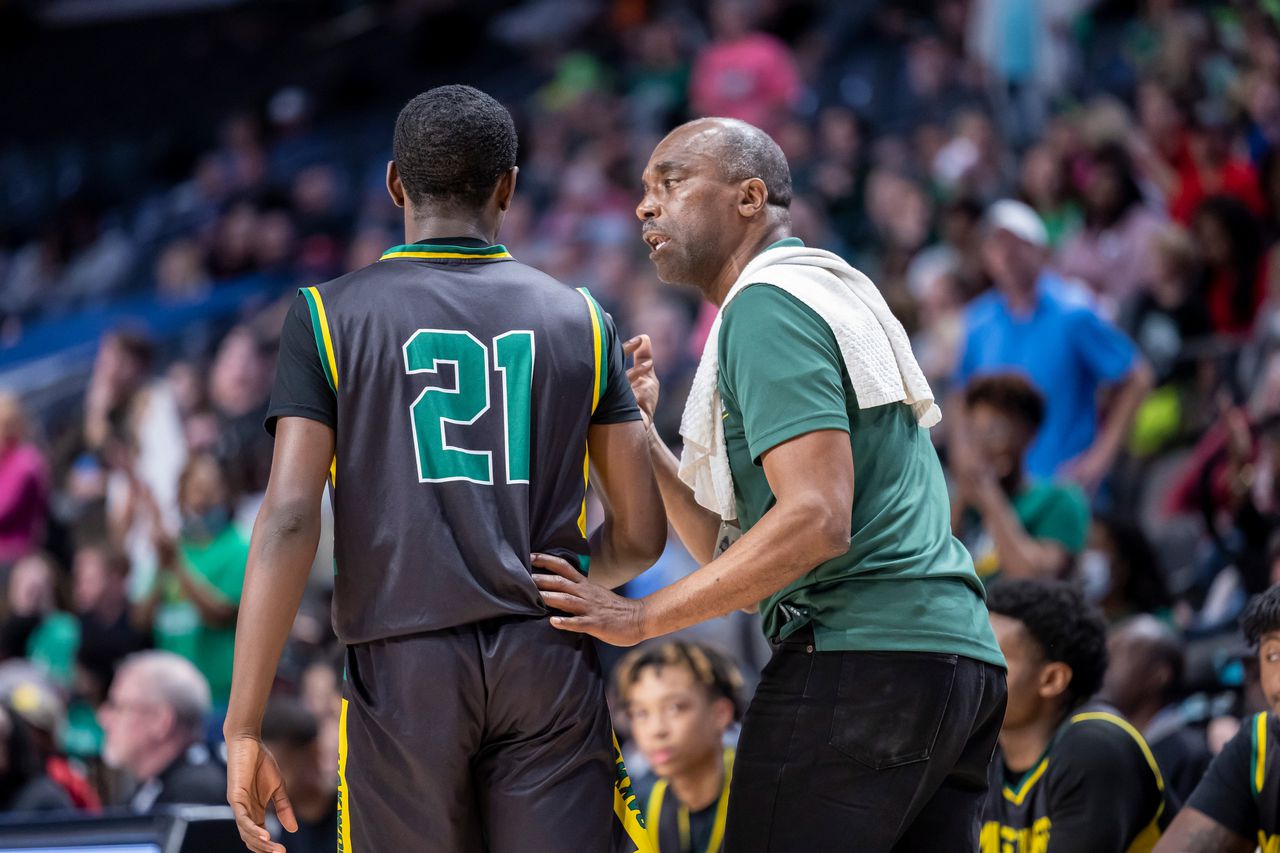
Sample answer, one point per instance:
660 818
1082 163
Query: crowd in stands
1074 215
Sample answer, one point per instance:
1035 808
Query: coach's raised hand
593 609
643 378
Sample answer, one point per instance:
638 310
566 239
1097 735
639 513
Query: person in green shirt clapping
191 609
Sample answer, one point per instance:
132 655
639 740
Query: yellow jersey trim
495 256
344 791
1016 797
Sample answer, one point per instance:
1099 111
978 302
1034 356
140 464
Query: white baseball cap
1019 220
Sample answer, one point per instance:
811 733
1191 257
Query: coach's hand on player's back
593 609
643 378
253 780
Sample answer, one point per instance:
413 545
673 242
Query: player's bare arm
812 478
634 530
696 526
281 551
1193 831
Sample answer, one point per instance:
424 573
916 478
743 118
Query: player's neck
702 784
426 228
1023 746
1142 715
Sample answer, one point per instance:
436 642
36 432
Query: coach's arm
634 530
281 551
812 479
697 527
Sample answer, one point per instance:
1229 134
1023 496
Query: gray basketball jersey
460 385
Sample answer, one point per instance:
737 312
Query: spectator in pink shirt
743 73
24 485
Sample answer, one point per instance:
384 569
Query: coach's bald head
716 192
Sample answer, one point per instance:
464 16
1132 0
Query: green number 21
464 404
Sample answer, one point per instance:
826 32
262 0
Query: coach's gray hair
746 152
174 681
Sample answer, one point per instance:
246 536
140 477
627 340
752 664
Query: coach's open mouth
656 241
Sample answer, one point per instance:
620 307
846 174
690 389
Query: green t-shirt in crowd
219 563
1046 510
905 584
52 646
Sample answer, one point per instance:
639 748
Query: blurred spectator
1015 527
680 700
1210 168
239 388
24 484
933 280
191 609
180 272
1027 51
1236 276
233 241
154 719
35 701
322 697
974 163
130 445
1046 187
290 731
38 627
1120 572
1031 322
1144 682
1169 311
24 784
1114 252
743 73
107 632
658 76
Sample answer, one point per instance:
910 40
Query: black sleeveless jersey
460 385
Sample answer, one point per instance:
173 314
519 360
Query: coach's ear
505 191
394 187
753 195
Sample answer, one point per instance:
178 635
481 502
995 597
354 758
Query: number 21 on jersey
436 408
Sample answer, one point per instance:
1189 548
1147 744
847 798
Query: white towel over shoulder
877 355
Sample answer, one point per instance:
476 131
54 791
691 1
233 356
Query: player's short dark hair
1261 615
711 668
288 721
748 152
1063 624
452 143
1009 393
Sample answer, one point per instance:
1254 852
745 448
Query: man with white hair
1031 322
154 720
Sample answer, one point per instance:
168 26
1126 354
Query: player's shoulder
1097 731
336 287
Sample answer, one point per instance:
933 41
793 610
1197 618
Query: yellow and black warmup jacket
674 829
460 385
1241 791
1096 789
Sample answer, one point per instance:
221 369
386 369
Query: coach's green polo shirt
905 584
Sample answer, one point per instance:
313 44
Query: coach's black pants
874 752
